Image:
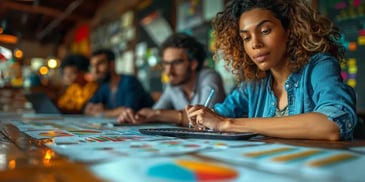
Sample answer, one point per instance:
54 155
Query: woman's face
264 39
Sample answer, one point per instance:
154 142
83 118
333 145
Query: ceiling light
6 36
18 53
52 63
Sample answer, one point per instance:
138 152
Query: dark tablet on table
200 134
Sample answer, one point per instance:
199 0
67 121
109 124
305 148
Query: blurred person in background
183 60
117 92
78 89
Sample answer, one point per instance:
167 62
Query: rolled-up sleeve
343 118
334 98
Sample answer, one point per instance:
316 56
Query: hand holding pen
206 104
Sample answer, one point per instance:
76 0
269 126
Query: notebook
42 104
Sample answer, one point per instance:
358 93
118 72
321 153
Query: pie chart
189 170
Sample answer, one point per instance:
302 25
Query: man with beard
189 83
117 92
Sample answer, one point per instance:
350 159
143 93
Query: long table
78 148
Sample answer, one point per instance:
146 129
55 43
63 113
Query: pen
207 102
210 97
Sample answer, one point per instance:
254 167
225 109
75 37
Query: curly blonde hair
310 33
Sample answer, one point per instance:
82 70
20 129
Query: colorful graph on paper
189 170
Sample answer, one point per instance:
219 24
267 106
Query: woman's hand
202 117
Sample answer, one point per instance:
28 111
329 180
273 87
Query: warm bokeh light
8 39
47 157
18 53
52 63
36 63
12 164
43 70
1 30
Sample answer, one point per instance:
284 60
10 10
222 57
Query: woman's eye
245 39
266 31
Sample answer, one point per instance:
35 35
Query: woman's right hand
202 117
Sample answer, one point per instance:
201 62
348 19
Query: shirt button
273 103
296 85
287 85
349 125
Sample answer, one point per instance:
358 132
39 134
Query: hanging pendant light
6 36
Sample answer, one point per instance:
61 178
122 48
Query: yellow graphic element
54 134
268 152
296 156
207 168
331 160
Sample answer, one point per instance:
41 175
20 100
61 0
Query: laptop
42 104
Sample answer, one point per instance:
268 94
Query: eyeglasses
172 63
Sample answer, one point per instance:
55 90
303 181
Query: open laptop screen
42 104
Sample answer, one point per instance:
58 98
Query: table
26 158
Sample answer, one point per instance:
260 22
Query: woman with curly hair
286 55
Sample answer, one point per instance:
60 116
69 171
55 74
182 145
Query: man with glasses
189 83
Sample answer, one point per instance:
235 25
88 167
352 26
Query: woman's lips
261 57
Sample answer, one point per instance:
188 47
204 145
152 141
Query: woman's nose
256 43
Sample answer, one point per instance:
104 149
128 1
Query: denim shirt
317 87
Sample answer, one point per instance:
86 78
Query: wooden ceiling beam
38 10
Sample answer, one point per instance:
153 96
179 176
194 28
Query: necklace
282 112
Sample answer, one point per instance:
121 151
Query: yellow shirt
76 96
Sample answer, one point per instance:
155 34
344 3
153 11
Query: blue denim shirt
130 93
317 87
